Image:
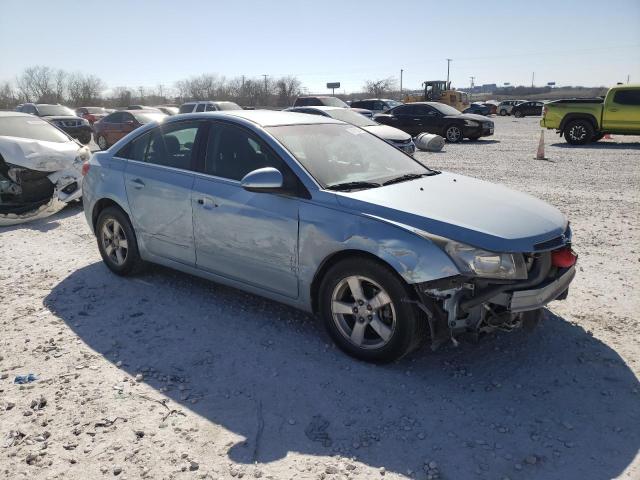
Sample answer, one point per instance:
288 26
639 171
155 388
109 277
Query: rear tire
117 242
375 323
578 132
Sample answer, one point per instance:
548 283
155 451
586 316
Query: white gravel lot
230 385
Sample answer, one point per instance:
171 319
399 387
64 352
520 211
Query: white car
505 107
40 168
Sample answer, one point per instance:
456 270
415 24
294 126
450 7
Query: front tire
84 138
364 309
503 112
578 132
453 134
518 114
117 242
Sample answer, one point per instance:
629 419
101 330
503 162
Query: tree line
43 84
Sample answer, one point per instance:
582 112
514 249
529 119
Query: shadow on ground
602 145
269 374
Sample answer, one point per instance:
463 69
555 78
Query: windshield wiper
352 185
406 177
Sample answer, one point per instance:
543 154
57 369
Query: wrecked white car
40 168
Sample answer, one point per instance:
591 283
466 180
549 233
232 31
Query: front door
158 179
245 236
622 113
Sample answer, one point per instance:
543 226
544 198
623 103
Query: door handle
207 203
137 183
613 109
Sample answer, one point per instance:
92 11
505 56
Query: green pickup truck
588 120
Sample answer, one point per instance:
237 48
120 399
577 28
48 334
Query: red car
91 114
118 124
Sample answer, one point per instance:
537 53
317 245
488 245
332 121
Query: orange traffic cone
540 152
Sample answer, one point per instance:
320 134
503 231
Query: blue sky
146 43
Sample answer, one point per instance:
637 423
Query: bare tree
8 96
379 88
288 88
84 89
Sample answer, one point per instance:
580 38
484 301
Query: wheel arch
102 204
337 257
578 116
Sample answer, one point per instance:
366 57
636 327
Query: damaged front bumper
462 305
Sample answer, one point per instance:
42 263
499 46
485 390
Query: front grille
563 239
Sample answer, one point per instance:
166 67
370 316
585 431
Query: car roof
263 118
321 107
380 99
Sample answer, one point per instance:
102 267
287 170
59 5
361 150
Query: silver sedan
326 217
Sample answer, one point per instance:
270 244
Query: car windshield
229 106
393 103
30 127
445 109
54 110
333 102
148 116
336 154
349 116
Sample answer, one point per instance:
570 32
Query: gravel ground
168 376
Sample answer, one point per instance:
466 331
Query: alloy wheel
363 312
114 241
453 134
577 132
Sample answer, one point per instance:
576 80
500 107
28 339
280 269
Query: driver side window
232 152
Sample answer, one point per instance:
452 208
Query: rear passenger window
627 97
200 107
169 146
210 108
233 152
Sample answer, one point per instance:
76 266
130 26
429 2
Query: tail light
563 258
85 168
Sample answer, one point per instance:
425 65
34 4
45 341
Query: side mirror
264 180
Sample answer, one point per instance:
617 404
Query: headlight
482 263
471 123
487 264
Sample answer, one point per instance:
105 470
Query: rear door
622 113
245 236
429 119
158 178
112 126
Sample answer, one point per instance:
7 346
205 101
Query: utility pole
401 70
628 76
265 88
472 79
448 62
533 76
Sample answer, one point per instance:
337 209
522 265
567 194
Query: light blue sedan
328 218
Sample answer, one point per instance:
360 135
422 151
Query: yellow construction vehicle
440 91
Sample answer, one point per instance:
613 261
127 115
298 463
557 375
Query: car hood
465 209
388 133
40 155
